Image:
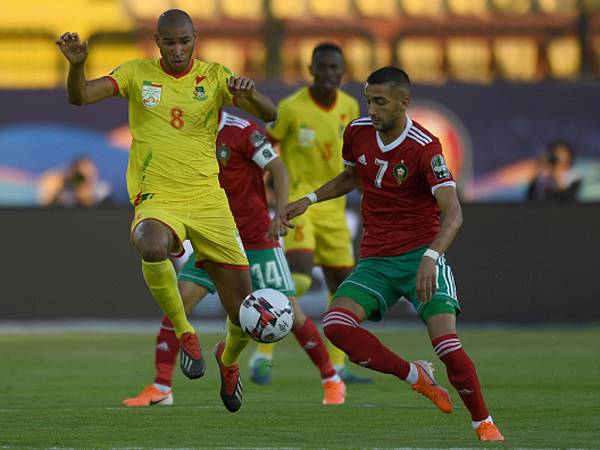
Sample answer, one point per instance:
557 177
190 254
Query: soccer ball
266 315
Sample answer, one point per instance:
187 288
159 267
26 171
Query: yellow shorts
207 222
325 235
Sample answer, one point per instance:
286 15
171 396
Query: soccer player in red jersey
411 215
243 152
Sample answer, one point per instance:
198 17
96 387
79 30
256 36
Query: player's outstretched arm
451 221
251 100
278 172
80 90
345 182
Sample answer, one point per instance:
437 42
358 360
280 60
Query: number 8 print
176 118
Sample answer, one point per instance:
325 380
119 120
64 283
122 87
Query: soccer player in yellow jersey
172 177
309 130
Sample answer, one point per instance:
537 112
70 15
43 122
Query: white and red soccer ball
266 315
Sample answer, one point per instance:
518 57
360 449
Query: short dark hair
392 75
173 17
327 47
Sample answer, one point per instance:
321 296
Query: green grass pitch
65 390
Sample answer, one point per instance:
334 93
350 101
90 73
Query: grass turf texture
65 390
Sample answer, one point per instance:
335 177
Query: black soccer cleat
231 381
190 356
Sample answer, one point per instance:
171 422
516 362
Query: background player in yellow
172 176
309 130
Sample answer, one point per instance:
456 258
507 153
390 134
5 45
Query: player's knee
302 283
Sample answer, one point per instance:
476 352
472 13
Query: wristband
431 254
312 197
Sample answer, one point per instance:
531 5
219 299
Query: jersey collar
396 142
176 75
222 120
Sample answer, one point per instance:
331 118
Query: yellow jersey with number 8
174 124
310 137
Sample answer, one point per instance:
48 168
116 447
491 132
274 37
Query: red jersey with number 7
399 211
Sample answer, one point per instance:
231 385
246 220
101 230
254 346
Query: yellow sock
265 350
235 342
302 283
162 281
338 357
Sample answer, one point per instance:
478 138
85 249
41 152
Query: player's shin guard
162 282
309 338
165 356
235 342
363 348
462 374
337 356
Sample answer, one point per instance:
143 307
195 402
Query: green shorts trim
378 283
268 269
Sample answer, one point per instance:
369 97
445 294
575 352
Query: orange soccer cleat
427 386
150 396
487 431
190 356
334 392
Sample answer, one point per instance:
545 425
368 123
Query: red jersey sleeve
347 152
434 167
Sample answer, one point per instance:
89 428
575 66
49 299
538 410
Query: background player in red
243 152
411 215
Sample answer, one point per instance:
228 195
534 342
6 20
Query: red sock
363 348
462 374
309 338
167 347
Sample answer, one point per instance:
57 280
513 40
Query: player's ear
310 70
405 101
157 39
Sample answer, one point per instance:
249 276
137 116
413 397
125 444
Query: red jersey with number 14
242 150
398 208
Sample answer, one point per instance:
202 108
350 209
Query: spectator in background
556 180
77 185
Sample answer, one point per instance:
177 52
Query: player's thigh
191 294
233 285
300 262
333 243
213 233
299 245
158 224
371 286
269 269
334 276
444 300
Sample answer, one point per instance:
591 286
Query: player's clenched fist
74 50
242 87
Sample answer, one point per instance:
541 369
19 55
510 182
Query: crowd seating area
435 40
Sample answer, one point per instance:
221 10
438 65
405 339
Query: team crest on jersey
400 172
439 167
223 155
199 93
151 94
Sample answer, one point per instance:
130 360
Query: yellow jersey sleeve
124 76
223 76
281 128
